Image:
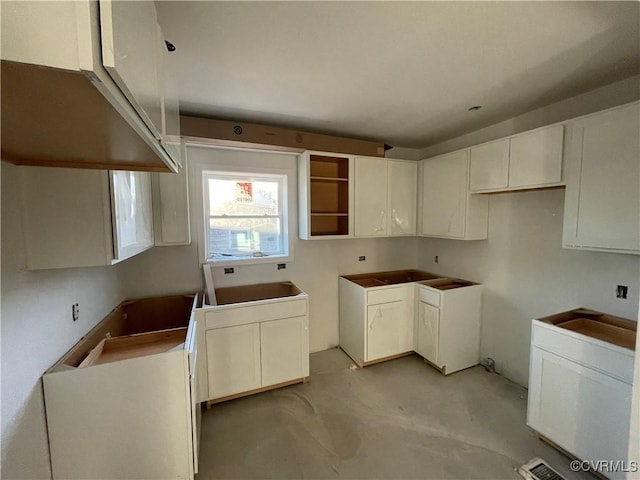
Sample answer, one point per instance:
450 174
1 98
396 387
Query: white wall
37 330
527 274
315 268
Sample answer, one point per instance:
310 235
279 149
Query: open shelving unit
328 195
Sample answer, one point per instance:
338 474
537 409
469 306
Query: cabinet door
489 166
584 411
602 197
282 350
444 195
370 196
170 105
402 197
536 157
171 208
130 54
131 213
428 328
233 360
383 334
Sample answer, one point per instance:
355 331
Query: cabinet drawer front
430 296
610 360
234 315
385 295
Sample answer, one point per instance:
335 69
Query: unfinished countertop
393 277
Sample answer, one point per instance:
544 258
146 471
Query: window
245 216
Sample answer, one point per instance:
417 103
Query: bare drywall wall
527 274
316 264
37 329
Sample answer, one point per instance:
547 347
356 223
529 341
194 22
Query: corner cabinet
385 197
446 208
103 87
85 218
325 195
525 161
602 200
123 402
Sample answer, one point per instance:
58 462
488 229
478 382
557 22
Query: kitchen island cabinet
122 403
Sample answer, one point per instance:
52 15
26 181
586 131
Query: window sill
239 261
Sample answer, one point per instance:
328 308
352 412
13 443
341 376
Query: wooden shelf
325 214
329 179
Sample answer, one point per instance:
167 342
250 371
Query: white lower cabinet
383 332
254 345
580 393
233 360
122 403
428 322
448 323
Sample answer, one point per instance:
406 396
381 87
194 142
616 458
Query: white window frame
280 178
257 162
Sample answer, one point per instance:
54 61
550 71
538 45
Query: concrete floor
398 419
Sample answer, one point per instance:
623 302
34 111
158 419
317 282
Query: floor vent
538 469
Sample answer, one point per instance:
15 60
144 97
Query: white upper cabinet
402 197
385 197
84 218
370 197
602 200
103 89
524 161
131 54
171 207
446 208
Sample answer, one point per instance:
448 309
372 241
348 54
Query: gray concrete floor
398 419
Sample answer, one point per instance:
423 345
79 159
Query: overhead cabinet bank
84 85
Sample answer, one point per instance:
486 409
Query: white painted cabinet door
584 411
171 208
130 53
383 334
602 200
402 180
535 157
428 330
489 166
444 195
233 360
370 196
282 348
132 216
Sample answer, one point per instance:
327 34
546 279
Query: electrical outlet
282 266
75 311
362 258
228 270
435 259
621 291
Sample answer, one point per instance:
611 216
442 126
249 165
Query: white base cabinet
253 345
448 324
122 403
602 200
377 322
580 393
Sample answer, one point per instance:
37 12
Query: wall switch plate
75 312
621 291
362 258
228 270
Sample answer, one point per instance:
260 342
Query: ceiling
402 73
